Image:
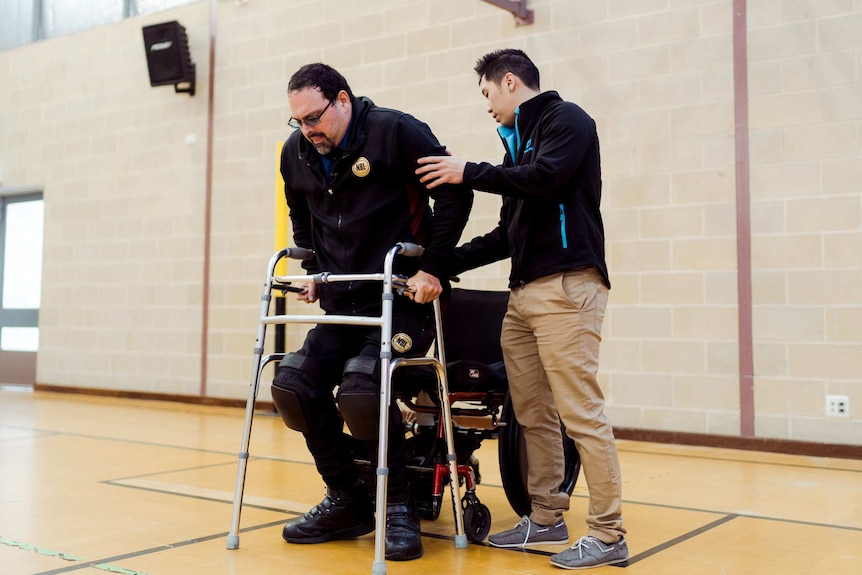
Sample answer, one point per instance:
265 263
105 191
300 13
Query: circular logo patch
361 167
402 342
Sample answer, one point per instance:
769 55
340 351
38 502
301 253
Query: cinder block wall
124 173
806 154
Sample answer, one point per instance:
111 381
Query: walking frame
391 285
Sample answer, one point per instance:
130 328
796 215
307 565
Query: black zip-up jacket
371 200
551 184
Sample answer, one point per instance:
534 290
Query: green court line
64 556
112 569
39 550
104 561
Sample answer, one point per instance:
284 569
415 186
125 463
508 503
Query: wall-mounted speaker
168 59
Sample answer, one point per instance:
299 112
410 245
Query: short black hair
321 76
494 65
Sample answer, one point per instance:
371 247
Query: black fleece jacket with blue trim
551 184
366 198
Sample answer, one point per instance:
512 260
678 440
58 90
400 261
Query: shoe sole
527 544
400 557
357 531
621 562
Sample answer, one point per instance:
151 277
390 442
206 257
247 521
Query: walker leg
451 457
233 534
379 565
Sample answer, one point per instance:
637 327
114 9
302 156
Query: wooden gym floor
92 485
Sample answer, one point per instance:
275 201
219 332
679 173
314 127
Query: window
150 6
25 21
21 227
65 16
16 23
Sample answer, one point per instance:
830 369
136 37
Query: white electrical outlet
837 406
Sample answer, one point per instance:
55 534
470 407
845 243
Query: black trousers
330 346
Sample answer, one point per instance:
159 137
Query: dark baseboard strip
788 446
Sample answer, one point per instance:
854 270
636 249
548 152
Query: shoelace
525 521
585 542
320 507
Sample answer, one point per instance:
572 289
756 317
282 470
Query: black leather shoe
341 515
403 540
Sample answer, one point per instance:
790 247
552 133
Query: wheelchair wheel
513 461
477 521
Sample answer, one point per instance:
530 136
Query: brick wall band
124 172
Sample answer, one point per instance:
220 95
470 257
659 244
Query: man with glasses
350 185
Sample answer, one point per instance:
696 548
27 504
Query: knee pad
359 397
294 392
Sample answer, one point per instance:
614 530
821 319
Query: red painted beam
743 218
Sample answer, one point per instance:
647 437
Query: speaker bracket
187 87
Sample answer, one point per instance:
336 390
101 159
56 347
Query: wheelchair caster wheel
477 522
436 502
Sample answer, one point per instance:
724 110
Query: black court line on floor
175 470
201 497
681 539
133 554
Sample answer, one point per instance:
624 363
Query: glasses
310 122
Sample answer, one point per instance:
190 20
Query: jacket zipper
349 285
339 222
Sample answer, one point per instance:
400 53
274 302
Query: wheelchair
478 392
443 396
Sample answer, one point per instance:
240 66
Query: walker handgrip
299 253
410 250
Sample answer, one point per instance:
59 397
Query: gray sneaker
528 533
591 552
